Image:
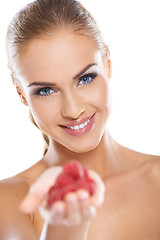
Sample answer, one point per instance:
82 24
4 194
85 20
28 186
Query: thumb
38 191
31 202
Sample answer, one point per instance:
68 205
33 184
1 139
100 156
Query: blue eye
88 78
44 92
84 80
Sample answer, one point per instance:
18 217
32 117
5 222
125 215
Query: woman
61 69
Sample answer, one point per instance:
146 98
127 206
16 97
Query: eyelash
89 75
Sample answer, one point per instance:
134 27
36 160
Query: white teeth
77 127
81 126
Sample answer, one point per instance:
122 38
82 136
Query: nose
72 105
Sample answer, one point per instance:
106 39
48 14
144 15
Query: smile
79 127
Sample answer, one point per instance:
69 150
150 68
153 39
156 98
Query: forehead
63 54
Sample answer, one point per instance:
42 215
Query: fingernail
59 208
72 201
83 196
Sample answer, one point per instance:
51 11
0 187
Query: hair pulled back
42 18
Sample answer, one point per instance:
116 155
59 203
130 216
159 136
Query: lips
79 127
77 122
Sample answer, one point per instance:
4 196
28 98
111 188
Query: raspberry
63 180
74 169
55 194
70 188
87 184
73 177
85 172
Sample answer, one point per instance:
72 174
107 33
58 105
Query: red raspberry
70 188
87 184
74 169
73 177
85 172
55 194
63 180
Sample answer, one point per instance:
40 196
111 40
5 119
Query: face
66 86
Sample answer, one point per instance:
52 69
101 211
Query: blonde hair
42 18
45 137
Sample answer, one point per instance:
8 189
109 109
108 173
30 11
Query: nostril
72 112
72 105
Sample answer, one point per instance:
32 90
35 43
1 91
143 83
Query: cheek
102 95
44 112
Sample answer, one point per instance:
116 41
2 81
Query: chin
83 147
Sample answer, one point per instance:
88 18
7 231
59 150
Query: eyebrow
53 84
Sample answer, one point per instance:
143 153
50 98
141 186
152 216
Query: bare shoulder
12 191
13 223
128 152
132 200
152 168
150 164
135 159
140 166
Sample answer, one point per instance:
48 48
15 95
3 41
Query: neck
103 159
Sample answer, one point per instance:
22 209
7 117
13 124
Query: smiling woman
70 96
62 71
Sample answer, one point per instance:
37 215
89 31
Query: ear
108 63
19 91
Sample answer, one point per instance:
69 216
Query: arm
16 225
70 217
57 233
13 223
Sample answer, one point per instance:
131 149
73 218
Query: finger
31 202
56 214
39 189
73 215
98 198
59 210
88 211
46 180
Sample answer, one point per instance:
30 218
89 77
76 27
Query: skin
131 179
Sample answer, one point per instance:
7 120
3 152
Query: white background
131 29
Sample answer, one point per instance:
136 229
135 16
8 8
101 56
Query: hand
76 208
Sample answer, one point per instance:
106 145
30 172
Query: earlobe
19 91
